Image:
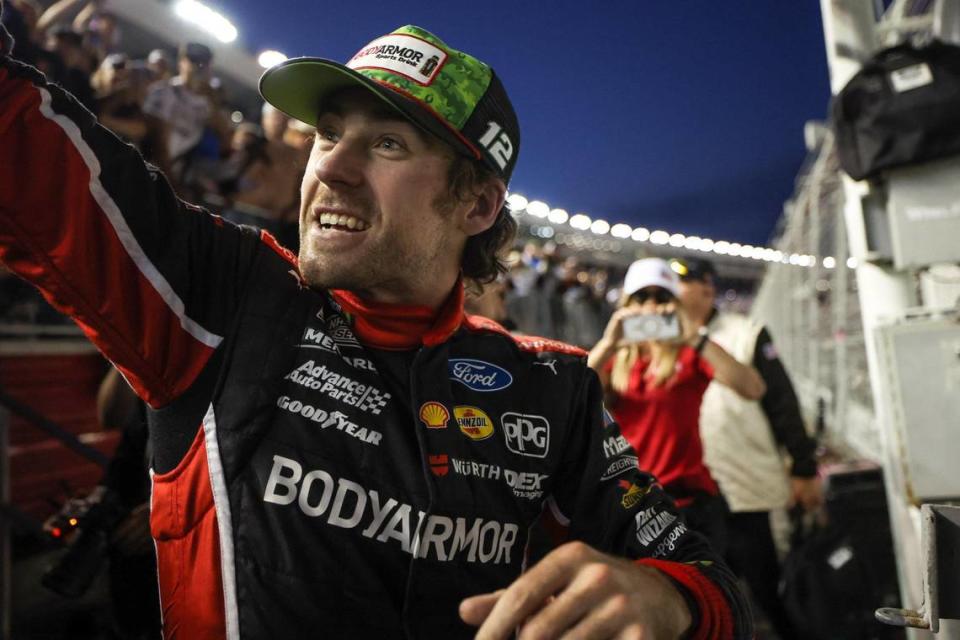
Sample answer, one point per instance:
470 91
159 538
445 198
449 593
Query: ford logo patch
479 375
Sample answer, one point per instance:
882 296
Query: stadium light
538 209
207 19
829 262
851 263
519 205
600 227
621 230
270 58
659 237
516 202
580 221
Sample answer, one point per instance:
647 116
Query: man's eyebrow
384 113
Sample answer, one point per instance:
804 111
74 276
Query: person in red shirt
655 371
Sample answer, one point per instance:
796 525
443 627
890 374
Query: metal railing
10 516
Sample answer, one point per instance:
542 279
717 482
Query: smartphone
654 326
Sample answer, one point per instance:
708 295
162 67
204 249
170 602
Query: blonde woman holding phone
655 371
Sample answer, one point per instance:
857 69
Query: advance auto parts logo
434 415
479 375
474 422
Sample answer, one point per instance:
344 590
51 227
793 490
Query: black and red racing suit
327 487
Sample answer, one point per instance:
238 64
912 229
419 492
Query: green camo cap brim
299 86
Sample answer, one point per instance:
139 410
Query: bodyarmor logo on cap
526 435
434 415
479 375
402 54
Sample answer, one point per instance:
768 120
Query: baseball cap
693 268
446 92
650 272
197 53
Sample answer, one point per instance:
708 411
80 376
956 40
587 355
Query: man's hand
132 536
578 592
807 492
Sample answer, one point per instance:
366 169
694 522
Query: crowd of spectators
175 111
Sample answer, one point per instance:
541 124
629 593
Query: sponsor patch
669 543
348 505
634 495
614 446
618 466
651 524
339 387
332 419
473 422
341 332
550 364
479 375
439 464
406 55
434 415
525 484
526 435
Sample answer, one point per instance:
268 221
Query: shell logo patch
473 422
434 415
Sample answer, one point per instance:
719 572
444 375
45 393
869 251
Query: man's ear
483 213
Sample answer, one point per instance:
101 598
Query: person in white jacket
746 442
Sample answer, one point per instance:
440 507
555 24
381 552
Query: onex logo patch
479 375
405 55
526 435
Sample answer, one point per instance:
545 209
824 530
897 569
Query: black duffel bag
901 108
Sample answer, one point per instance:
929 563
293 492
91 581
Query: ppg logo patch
479 375
526 435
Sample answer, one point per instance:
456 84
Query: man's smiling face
372 216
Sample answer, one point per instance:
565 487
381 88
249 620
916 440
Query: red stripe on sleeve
63 242
716 620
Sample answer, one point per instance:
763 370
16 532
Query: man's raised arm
106 240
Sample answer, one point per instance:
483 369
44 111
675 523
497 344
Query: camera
94 519
653 326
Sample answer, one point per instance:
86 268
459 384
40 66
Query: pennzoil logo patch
434 415
473 422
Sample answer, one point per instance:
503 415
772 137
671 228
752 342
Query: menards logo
473 422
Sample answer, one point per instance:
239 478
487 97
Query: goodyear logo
434 415
479 375
474 423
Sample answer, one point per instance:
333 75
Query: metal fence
813 311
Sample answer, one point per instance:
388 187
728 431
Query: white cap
650 272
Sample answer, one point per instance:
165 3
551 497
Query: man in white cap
338 450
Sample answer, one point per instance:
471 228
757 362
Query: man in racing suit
338 449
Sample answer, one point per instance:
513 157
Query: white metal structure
872 336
